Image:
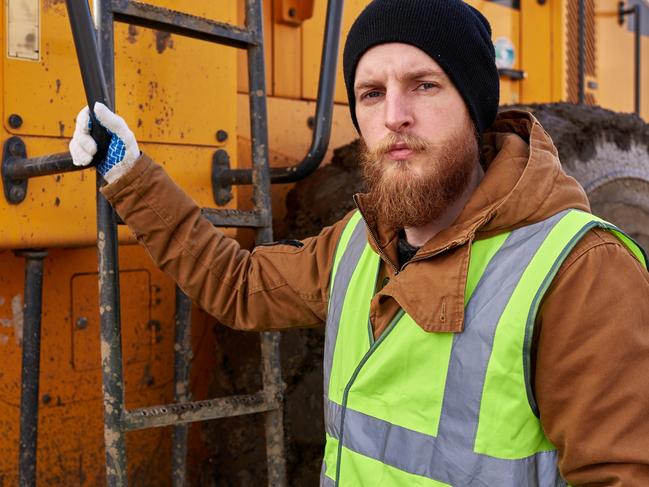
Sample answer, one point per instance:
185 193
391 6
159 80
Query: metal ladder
117 419
95 53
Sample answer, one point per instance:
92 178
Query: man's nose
398 113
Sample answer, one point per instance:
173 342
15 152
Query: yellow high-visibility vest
421 409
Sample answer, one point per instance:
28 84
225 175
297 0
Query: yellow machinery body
176 94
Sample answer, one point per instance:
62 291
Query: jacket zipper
383 255
396 269
365 358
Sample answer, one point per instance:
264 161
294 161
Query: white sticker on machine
23 29
505 53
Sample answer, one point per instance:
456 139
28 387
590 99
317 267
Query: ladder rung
236 218
222 407
153 17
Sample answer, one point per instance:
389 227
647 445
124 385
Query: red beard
412 193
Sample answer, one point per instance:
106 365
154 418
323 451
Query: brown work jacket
591 341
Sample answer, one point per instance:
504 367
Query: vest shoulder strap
568 231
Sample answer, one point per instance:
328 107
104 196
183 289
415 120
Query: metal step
190 412
175 22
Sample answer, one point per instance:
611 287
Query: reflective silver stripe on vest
449 457
346 269
432 457
324 480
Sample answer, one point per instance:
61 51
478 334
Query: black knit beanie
453 33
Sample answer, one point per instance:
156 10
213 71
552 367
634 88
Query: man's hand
122 151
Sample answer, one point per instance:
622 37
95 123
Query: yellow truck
96 344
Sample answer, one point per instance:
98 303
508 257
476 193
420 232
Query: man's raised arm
273 287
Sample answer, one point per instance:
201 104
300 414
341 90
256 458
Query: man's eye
427 86
370 94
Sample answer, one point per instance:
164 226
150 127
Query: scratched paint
16 321
17 311
48 4
132 34
163 40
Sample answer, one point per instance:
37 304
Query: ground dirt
236 445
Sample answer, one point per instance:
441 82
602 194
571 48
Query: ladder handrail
115 413
92 74
226 177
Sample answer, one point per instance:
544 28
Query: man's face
420 143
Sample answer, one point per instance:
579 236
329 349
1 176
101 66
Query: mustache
410 141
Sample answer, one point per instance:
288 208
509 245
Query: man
482 327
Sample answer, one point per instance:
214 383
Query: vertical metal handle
92 74
636 11
31 360
582 52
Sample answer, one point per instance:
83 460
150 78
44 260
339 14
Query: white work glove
122 150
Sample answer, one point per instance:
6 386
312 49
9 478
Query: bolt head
221 135
17 193
15 121
292 13
15 147
82 323
221 158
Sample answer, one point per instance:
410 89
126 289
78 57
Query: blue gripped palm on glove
115 154
122 150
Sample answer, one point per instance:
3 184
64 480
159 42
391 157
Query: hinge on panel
221 190
13 150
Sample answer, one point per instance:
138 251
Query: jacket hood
523 184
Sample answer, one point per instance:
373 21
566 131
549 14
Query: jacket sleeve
273 287
592 365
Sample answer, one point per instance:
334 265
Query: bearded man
482 328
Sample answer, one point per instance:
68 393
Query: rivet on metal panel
46 399
15 120
221 135
82 323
